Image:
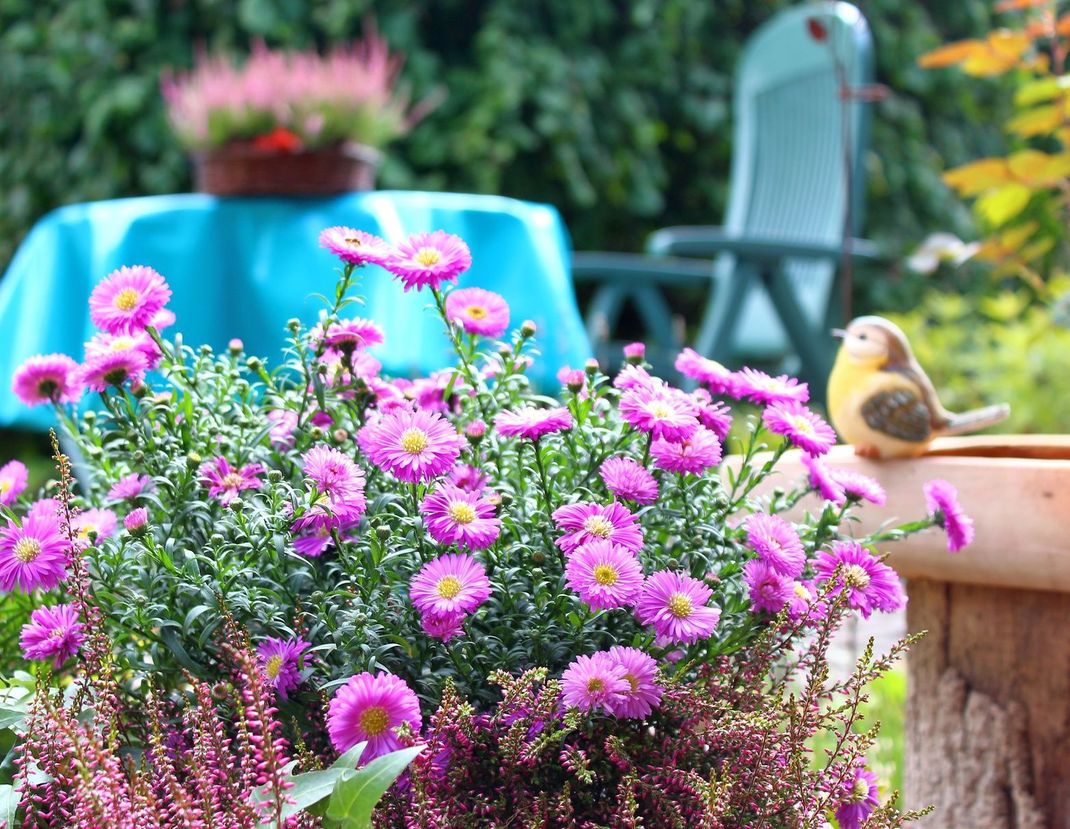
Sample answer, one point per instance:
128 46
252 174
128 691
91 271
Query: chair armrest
707 242
629 270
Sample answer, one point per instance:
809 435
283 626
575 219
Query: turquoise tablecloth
242 267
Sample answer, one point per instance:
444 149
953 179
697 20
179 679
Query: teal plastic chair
771 268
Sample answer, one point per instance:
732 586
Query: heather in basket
593 609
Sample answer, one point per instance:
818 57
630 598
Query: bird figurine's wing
899 413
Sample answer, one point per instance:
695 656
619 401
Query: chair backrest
789 169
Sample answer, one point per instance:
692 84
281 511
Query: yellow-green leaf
999 206
978 176
1042 89
1038 121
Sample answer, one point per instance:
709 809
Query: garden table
988 708
241 267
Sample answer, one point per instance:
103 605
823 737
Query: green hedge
617 111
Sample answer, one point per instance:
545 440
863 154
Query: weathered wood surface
988 713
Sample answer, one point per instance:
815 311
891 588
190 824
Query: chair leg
811 345
721 317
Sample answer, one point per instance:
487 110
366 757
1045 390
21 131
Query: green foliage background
617 111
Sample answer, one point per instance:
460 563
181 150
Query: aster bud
220 691
138 457
340 435
591 367
89 416
137 522
193 460
635 353
538 557
528 329
206 350
236 346
475 430
253 364
506 499
316 433
236 504
383 532
274 475
293 325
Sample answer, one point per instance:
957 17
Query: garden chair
771 268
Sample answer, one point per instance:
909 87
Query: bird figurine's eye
863 336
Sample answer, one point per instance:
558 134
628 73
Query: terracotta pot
988 708
241 170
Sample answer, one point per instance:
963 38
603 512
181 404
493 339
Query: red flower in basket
279 140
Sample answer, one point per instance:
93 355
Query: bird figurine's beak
838 332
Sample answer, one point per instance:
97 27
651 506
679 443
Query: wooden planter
988 710
241 170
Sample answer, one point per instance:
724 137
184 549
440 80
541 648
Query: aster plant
594 609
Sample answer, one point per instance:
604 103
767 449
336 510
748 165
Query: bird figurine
882 402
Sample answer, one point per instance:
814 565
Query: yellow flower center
598 525
126 299
273 666
632 681
595 685
374 721
860 791
462 513
679 606
448 587
605 575
803 425
86 529
121 344
854 575
27 549
5 487
660 410
232 480
428 256
801 591
57 633
414 441
353 240
476 312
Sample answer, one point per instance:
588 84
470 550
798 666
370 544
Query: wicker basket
241 170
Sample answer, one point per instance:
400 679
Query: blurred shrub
617 111
992 349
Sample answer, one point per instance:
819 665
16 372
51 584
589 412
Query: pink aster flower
604 574
281 431
629 480
716 417
355 247
454 516
586 522
127 300
48 508
800 426
675 605
693 455
469 478
823 479
103 344
593 682
868 583
661 411
47 378
34 555
859 486
414 446
450 585
347 336
52 633
226 482
129 487
803 602
100 523
316 531
137 521
715 376
13 476
478 312
333 473
776 543
370 709
859 799
114 368
442 627
634 377
429 259
644 693
942 501
531 423
762 388
280 660
769 590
